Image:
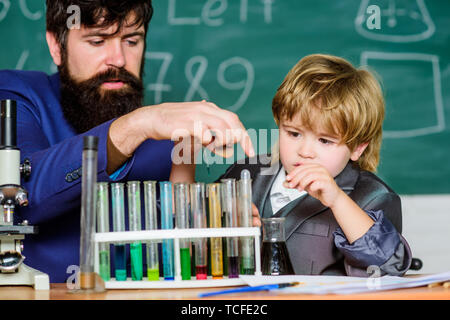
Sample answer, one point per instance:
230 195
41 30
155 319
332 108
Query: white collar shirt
281 196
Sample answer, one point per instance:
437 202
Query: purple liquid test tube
198 211
229 208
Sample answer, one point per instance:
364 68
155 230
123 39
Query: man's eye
96 42
132 43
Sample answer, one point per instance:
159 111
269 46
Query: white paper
343 284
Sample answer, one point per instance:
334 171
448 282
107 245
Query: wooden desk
59 291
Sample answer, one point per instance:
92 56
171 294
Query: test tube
229 208
103 226
88 206
151 224
134 216
118 213
215 221
245 218
181 191
167 223
198 211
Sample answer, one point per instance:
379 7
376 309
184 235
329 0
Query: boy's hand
317 181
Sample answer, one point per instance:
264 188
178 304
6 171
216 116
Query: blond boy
341 218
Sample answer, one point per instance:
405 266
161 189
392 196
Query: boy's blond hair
327 92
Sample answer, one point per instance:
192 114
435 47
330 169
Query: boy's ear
54 47
358 151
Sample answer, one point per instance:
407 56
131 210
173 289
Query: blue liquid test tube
134 216
198 213
245 219
167 223
103 226
151 223
181 191
229 208
118 213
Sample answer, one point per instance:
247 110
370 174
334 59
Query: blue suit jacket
55 151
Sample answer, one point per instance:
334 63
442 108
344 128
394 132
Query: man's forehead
128 25
111 31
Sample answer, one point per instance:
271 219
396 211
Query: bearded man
97 91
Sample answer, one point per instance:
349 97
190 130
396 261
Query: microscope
12 269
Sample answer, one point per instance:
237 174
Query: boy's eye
293 134
325 141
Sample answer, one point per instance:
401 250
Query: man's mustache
112 75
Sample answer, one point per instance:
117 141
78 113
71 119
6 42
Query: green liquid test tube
103 226
151 224
245 218
182 222
134 215
118 214
215 221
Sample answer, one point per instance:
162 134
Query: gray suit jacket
311 228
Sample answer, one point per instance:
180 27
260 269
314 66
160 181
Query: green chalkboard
236 53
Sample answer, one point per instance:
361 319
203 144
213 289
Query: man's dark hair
91 11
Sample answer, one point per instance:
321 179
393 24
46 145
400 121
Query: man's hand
317 181
207 123
211 126
255 216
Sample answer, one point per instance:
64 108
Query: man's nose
115 56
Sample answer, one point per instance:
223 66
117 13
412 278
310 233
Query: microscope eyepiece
8 124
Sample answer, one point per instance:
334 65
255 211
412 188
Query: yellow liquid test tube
215 221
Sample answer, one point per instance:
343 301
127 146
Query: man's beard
86 105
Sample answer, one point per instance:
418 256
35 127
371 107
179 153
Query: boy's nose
306 149
115 55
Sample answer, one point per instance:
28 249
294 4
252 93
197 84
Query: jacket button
69 177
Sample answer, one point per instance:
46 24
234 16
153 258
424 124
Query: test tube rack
176 234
